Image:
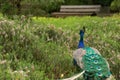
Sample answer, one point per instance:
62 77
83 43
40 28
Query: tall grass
31 51
103 33
41 48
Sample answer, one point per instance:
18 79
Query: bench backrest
80 8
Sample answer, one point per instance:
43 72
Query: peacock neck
81 38
81 42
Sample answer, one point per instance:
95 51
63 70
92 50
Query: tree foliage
102 2
32 6
115 5
10 6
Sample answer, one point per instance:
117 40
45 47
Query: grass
101 33
41 48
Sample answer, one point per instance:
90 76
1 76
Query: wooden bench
77 10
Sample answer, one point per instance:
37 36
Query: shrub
14 38
25 43
115 6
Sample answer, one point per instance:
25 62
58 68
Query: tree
14 6
10 6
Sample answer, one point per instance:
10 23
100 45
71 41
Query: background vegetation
45 7
41 48
115 6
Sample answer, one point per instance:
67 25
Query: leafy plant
115 6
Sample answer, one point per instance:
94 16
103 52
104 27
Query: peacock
91 61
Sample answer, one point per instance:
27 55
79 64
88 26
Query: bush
26 7
14 38
115 6
7 7
27 45
51 5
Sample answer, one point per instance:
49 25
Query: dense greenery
41 48
115 5
45 7
32 51
29 7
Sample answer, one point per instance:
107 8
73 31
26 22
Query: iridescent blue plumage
81 42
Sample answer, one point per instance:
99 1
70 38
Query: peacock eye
98 68
95 62
89 52
99 74
92 57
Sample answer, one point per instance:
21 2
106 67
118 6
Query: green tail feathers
95 65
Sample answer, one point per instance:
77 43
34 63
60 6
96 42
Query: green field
40 48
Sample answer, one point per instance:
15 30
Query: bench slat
80 6
79 10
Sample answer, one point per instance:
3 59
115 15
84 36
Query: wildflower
26 67
3 62
94 21
22 30
62 75
21 36
105 23
60 30
4 51
113 51
12 29
13 33
33 68
118 56
3 32
6 35
25 75
21 72
5 21
51 26
15 71
27 71
11 23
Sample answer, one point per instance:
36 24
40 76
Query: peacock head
82 32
